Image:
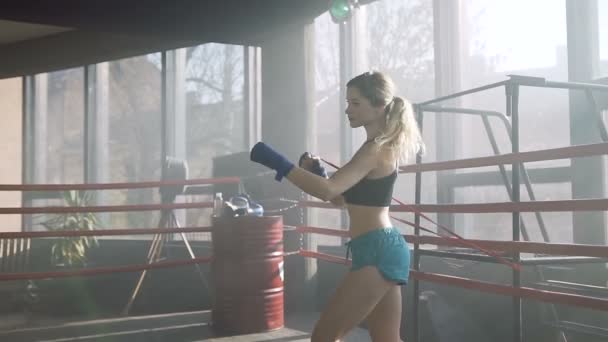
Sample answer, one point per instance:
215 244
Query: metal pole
512 97
416 263
86 146
163 109
346 72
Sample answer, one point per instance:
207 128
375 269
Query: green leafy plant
72 250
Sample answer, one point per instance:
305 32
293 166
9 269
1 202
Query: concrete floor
191 326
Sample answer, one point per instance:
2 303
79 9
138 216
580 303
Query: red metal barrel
247 271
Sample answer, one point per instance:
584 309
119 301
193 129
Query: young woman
380 256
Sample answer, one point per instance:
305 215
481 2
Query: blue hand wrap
265 155
317 168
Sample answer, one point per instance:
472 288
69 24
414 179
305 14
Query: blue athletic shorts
385 249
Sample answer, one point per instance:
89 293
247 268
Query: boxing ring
14 246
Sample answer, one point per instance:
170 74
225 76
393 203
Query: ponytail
401 133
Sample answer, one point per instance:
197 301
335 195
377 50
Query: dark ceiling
40 36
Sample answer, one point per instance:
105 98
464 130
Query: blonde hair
401 133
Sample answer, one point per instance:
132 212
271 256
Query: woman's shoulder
383 155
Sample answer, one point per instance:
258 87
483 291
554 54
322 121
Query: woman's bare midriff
364 218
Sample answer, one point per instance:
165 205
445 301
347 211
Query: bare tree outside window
400 36
214 79
214 109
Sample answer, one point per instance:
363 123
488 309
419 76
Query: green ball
340 10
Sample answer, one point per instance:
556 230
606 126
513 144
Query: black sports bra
376 192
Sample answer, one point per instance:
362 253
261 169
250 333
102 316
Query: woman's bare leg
384 322
356 296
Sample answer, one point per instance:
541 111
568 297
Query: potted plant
67 253
71 251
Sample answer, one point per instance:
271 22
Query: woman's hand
312 163
267 156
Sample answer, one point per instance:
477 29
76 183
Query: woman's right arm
363 162
311 163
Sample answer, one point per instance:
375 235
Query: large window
215 116
55 127
65 126
505 37
125 125
399 41
499 46
496 45
134 137
327 87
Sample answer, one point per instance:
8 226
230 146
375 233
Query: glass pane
327 84
59 139
497 46
65 126
399 42
327 119
215 114
134 136
603 36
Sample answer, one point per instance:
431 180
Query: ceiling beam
161 17
108 30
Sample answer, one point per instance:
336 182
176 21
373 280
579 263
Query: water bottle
218 204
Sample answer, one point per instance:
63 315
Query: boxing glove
265 155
